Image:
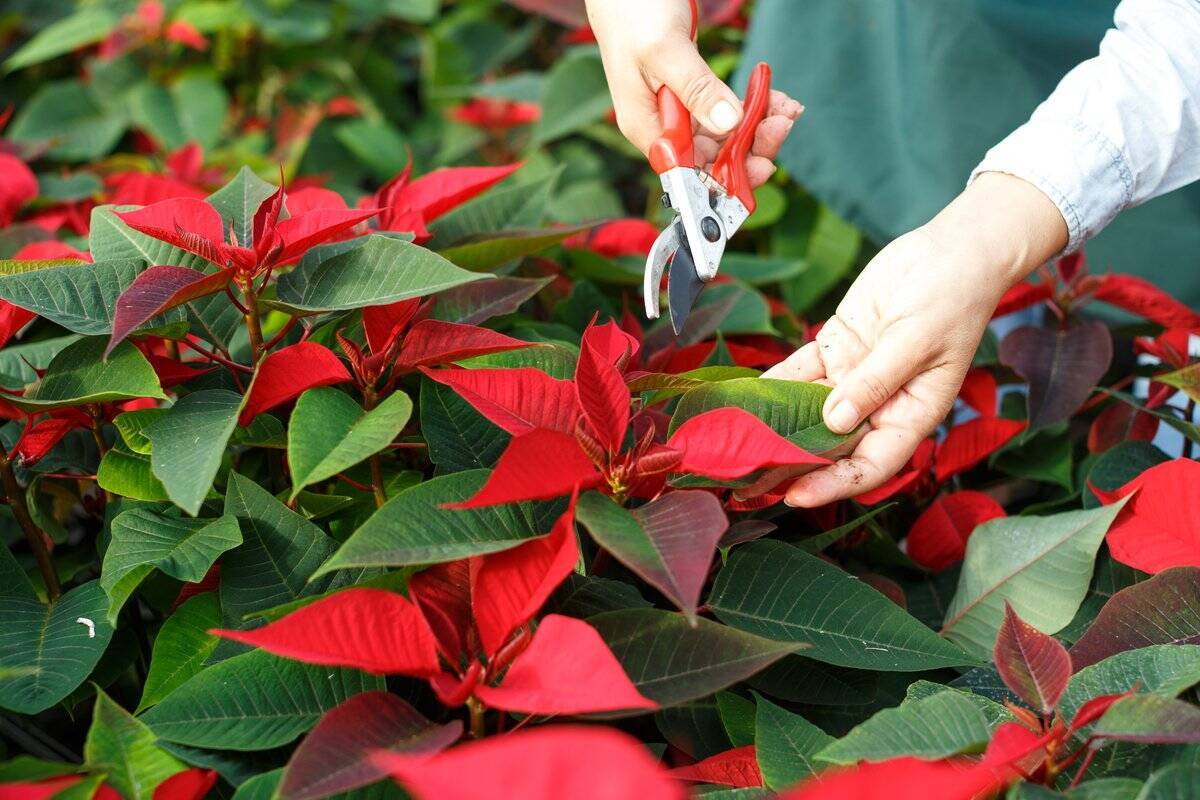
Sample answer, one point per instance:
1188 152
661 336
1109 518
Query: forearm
999 230
1120 128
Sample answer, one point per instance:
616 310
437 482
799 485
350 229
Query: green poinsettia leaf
846 621
125 750
144 540
237 201
329 432
786 745
188 442
181 647
78 375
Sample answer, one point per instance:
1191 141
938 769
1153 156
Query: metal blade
665 245
683 287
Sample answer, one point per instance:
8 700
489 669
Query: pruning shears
709 208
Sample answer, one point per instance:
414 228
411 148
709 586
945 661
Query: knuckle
873 389
700 89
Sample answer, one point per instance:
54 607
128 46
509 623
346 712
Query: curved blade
683 287
656 262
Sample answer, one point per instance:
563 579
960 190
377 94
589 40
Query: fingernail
843 417
723 116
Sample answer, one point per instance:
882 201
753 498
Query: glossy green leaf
126 751
128 474
381 270
280 552
237 201
329 432
132 426
254 701
1165 669
937 726
78 376
1040 565
110 239
181 647
19 362
846 621
671 662
79 297
413 528
76 120
51 647
144 540
1150 718
574 95
188 442
459 437
488 254
786 745
1176 782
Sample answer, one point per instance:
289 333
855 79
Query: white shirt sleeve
1120 128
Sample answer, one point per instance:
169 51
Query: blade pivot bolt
710 229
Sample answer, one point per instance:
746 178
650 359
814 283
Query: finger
636 108
706 150
802 365
768 481
679 65
759 170
889 365
881 454
770 136
782 105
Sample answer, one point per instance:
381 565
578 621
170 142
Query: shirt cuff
1075 165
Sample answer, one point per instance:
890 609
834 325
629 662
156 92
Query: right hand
646 44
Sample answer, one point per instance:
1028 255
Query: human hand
898 347
645 45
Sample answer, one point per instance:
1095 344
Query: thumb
680 66
868 386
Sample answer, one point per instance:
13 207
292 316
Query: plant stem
33 534
253 323
477 711
369 401
1189 446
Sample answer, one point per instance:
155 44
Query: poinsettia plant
338 462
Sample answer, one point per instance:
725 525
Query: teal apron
904 97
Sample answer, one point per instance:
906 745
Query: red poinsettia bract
467 630
571 435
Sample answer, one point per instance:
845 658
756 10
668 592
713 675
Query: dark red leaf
431 342
967 444
538 465
172 373
517 400
737 768
1021 296
979 391
443 593
191 784
44 251
1120 422
495 113
1061 366
610 343
1070 266
336 755
728 443
600 389
1159 527
938 538
1031 663
435 193
368 629
1162 610
160 289
289 372
567 669
546 763
1140 297
509 587
146 188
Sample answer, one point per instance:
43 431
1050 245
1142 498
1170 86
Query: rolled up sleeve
1120 128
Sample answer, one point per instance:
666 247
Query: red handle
730 167
675 147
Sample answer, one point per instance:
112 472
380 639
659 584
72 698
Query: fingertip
842 417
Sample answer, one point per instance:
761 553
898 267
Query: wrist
1003 226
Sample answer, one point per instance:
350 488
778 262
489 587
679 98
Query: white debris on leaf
91 626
